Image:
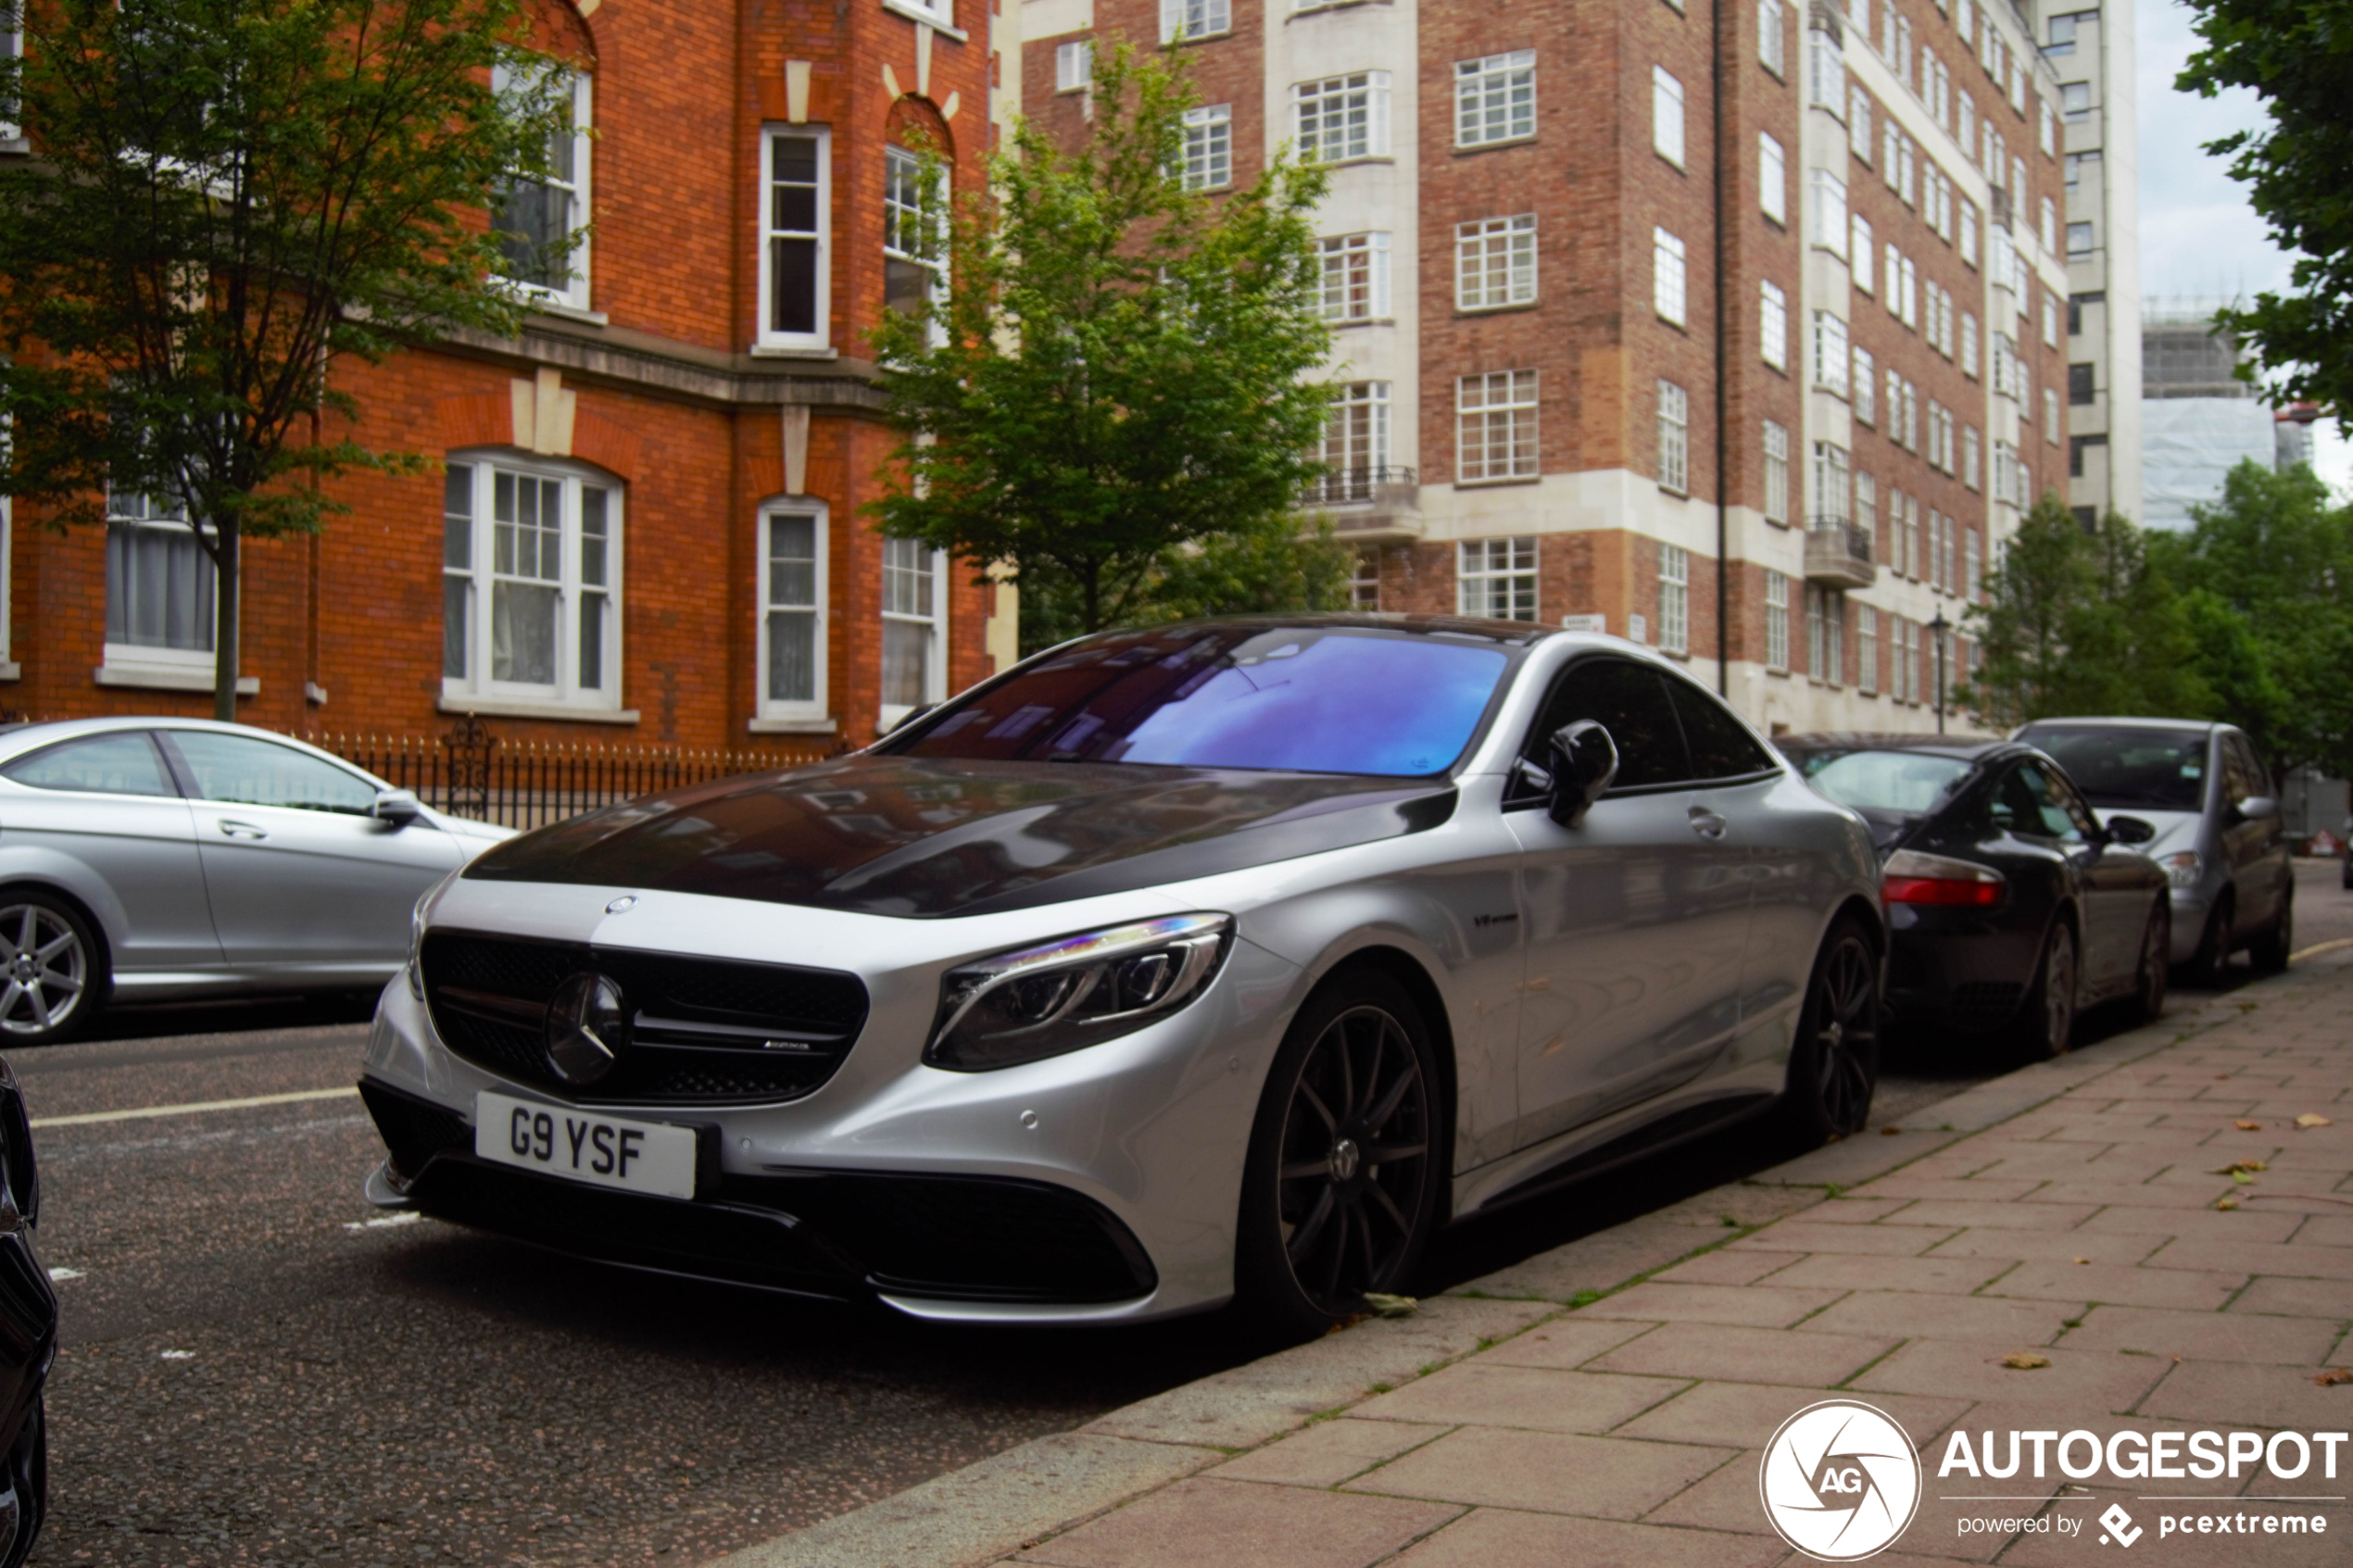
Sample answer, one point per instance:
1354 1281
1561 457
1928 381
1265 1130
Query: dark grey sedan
149 860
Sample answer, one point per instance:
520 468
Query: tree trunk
224 636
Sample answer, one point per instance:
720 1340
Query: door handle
240 830
1706 823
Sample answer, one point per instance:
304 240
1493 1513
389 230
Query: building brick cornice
591 354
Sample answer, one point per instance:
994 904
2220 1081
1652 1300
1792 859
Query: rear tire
2269 952
1833 1066
1347 1159
2213 956
2047 1018
53 970
2156 945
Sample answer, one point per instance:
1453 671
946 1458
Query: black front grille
704 1031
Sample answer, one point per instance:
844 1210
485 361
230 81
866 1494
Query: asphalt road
252 1371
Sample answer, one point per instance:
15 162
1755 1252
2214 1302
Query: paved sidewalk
1607 1402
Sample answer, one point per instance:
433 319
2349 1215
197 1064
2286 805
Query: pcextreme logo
1840 1481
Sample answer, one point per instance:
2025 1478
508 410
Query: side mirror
2129 830
1584 763
2256 807
397 807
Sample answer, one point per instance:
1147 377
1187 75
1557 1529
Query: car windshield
2161 770
1910 782
1320 699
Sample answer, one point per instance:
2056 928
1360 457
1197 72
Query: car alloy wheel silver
47 967
1354 1158
1844 1016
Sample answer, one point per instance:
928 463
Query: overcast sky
2199 239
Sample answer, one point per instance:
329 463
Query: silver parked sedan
1235 955
147 859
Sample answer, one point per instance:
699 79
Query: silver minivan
2219 834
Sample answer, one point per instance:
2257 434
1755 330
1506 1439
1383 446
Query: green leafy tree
2267 573
2080 622
2298 60
226 197
1119 392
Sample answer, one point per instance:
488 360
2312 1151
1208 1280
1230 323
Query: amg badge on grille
587 1028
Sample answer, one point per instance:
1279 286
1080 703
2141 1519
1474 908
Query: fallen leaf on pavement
1391 1306
2083 1260
1889 1132
2025 1360
2248 1126
2226 1203
2308 1119
2333 1376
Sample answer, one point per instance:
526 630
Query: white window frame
940 11
1356 440
576 294
138 514
1826 72
1674 598
1773 178
1866 390
1075 65
1772 37
815 708
1969 346
1859 123
1341 118
2051 415
1969 226
1772 323
1674 438
1859 252
1363 583
1354 264
1205 162
935 653
481 576
1833 354
1776 472
770 336
1970 457
1666 116
1492 88
1512 562
1776 622
1196 19
1478 399
1829 211
1866 650
1669 293
1487 249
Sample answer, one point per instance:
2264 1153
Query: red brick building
642 521
1544 304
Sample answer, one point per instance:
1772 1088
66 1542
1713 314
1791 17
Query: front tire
2047 1018
1833 1067
2213 956
2156 942
2269 952
1346 1161
52 969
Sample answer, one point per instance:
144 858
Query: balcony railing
1838 553
1347 487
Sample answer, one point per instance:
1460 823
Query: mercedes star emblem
587 1028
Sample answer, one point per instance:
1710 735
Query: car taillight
1911 877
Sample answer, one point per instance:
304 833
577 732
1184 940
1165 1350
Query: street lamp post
1937 628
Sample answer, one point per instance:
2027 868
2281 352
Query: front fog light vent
1072 993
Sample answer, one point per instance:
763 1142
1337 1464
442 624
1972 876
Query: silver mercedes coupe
1223 958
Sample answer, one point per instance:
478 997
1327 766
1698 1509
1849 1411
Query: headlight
1076 992
2182 867
417 933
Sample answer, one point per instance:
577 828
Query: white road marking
144 1111
179 1355
406 1217
65 1273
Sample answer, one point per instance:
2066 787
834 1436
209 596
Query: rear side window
117 764
239 769
1630 701
1720 745
2258 781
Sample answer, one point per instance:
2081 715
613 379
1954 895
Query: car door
1766 852
107 802
2118 892
2257 846
1636 918
2048 811
302 878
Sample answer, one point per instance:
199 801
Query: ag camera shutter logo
1841 1481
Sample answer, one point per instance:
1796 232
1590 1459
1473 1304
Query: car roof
19 739
1967 748
2142 722
1518 633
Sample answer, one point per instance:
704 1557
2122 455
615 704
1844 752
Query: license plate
583 1145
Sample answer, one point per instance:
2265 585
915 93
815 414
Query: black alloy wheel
24 1498
1833 1068
2156 945
1342 1191
2213 956
2047 1019
51 971
2269 952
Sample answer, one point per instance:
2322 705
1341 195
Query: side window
1720 745
2236 785
2012 806
1632 703
258 772
2054 812
2258 781
117 764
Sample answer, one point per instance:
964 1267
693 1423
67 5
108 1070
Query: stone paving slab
2063 1214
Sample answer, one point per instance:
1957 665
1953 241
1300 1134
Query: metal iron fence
470 771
